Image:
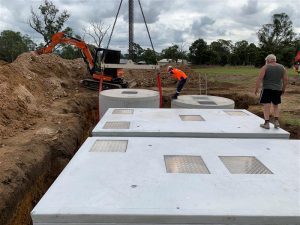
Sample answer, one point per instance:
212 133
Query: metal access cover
130 92
207 103
236 113
191 118
116 125
185 164
109 146
122 111
244 165
200 98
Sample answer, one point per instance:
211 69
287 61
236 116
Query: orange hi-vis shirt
178 74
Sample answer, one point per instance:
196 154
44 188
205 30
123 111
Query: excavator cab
112 77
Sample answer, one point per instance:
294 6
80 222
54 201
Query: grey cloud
250 8
152 10
201 26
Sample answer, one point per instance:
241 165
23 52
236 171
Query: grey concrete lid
126 180
220 123
202 101
129 93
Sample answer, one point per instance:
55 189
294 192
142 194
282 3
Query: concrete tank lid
129 93
194 99
135 185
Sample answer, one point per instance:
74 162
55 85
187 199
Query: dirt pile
30 84
148 78
45 115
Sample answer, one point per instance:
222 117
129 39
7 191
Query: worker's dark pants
180 85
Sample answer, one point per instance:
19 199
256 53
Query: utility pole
131 28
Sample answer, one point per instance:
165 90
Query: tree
172 52
136 53
13 44
97 31
272 37
149 56
220 52
240 52
199 53
48 22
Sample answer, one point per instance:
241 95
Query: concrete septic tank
176 181
211 123
124 98
202 102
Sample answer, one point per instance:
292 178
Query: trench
50 167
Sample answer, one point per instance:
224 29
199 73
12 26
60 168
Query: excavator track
94 85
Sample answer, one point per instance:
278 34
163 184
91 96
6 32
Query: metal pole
131 28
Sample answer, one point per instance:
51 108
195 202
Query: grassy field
234 70
243 80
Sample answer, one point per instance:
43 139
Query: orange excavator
111 77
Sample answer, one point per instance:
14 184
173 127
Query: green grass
292 121
234 70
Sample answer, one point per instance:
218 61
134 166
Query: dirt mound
45 115
2 62
148 78
30 84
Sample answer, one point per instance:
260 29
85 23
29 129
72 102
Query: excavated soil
46 115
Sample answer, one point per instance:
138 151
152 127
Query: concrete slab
202 102
176 181
218 123
125 98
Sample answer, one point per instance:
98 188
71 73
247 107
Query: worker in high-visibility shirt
179 75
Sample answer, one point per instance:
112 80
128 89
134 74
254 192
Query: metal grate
130 92
244 165
110 146
207 103
191 118
236 113
185 164
122 111
116 125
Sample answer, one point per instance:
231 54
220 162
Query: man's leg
179 88
276 115
267 108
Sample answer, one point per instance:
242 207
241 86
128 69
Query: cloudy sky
170 21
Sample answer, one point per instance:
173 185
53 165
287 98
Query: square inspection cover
244 165
191 118
129 92
122 111
136 180
207 103
200 123
200 98
236 113
109 146
116 125
185 164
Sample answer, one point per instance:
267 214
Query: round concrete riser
202 102
127 98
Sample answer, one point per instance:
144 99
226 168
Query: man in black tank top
274 79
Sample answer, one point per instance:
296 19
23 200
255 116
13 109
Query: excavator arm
110 80
62 38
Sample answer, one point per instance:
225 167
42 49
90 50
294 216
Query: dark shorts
270 96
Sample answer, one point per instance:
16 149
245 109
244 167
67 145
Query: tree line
277 37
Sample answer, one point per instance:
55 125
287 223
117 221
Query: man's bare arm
259 79
285 80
